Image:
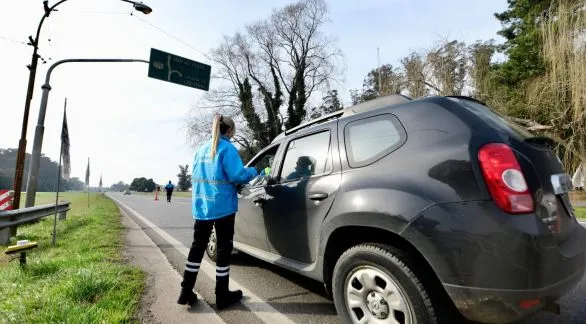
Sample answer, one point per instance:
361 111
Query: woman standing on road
217 170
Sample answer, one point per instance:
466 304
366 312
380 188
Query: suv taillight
504 179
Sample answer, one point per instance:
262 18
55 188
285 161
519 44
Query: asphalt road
273 294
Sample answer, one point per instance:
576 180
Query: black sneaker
227 299
187 297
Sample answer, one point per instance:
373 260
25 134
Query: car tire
212 247
378 281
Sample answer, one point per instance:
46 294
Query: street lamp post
40 129
139 6
29 95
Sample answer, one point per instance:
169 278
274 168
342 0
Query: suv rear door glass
307 156
368 140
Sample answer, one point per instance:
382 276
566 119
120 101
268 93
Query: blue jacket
214 182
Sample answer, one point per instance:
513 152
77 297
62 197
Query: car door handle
318 196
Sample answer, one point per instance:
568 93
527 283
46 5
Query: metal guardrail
13 218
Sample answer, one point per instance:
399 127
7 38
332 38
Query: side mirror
271 181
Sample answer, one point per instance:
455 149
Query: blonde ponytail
215 135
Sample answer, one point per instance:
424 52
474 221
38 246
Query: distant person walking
217 170
169 188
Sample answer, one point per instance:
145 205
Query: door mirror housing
271 181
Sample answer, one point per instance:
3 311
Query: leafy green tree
143 185
379 82
47 178
120 186
523 45
184 177
330 103
73 184
414 69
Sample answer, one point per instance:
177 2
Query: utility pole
380 85
19 170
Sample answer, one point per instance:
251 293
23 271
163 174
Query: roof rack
319 120
381 102
389 100
385 101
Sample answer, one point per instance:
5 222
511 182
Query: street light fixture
139 6
19 170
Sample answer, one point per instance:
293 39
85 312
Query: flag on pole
66 170
87 174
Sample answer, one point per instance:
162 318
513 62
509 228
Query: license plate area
568 205
562 184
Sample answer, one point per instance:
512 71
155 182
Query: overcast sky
130 125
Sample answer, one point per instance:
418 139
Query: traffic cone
156 195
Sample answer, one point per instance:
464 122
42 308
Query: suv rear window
370 139
494 119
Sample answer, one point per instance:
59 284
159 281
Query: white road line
259 307
204 312
145 197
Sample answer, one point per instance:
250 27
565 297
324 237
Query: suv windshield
495 119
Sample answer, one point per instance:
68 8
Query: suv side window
370 139
263 164
307 156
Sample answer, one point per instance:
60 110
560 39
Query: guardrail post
4 236
13 218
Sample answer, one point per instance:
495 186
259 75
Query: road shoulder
158 303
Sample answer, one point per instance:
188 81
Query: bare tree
480 54
233 97
285 58
302 56
447 67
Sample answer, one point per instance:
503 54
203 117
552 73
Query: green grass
581 213
81 280
43 198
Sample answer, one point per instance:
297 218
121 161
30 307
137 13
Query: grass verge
83 279
581 213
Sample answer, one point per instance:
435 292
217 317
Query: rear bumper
489 262
503 305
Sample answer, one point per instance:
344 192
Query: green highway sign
179 70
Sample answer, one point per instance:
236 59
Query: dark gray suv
416 211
